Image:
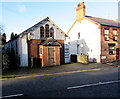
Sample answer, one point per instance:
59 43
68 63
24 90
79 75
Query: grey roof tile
103 21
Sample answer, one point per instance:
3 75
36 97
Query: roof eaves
71 26
30 29
110 25
57 26
92 21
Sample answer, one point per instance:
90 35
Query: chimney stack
80 11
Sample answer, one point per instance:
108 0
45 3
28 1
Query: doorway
74 58
117 53
51 55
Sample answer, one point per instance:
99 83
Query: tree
1 32
15 35
9 58
1 29
12 36
3 38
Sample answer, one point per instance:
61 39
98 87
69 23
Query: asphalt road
102 83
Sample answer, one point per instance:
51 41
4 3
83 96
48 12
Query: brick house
96 37
26 44
49 52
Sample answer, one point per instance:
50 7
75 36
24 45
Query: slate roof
32 28
40 23
50 42
102 21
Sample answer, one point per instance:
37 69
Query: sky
19 16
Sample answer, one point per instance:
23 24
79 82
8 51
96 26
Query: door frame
117 54
49 56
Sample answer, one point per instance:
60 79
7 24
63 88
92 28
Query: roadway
102 82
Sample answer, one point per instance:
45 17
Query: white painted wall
57 32
23 51
89 37
22 41
36 34
66 52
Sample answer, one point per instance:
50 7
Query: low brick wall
82 58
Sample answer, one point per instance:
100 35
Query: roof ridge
101 18
29 28
35 24
103 21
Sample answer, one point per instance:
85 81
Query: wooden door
117 53
51 55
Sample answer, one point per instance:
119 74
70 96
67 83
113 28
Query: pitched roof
97 21
42 22
32 28
50 42
103 21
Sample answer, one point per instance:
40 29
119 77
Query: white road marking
95 84
11 96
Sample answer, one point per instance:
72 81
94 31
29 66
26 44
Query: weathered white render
23 52
20 47
89 42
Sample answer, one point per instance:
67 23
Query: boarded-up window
41 31
46 30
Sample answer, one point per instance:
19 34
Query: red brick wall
105 47
33 50
45 55
57 51
62 59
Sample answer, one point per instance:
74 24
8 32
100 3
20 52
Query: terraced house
96 37
45 44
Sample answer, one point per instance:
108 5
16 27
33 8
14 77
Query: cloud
22 8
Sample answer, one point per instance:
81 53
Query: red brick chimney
80 11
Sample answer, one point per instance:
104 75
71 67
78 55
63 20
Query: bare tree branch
1 29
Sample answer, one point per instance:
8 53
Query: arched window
51 32
41 31
46 30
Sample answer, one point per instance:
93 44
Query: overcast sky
18 16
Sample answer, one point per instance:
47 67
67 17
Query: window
114 35
51 32
46 30
106 35
111 49
16 48
41 31
40 50
78 48
79 35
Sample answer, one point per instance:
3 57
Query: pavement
66 68
70 80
